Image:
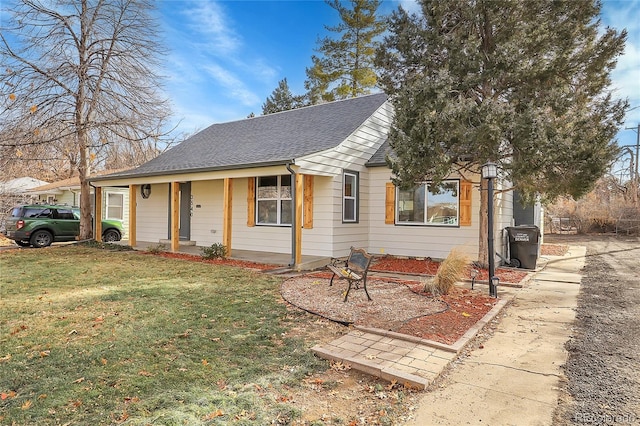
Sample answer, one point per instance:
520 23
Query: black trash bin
524 241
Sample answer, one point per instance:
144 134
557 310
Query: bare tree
80 76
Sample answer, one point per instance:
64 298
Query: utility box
524 246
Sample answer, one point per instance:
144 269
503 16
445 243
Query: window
38 212
115 206
430 205
273 200
350 197
65 214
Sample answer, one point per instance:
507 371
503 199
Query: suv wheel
41 239
110 236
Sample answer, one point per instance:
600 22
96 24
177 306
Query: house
310 181
114 205
14 191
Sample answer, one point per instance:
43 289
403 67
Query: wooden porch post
133 204
98 214
298 232
227 225
175 216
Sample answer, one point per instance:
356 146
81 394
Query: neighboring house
14 191
310 181
114 205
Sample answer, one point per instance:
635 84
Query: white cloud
209 24
237 89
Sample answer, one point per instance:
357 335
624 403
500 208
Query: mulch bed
430 267
392 303
397 305
466 308
224 262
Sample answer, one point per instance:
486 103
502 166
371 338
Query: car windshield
16 212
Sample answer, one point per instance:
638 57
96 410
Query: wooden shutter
251 202
465 202
308 202
390 204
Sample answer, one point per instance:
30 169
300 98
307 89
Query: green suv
40 225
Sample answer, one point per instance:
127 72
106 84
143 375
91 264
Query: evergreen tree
523 84
345 68
282 99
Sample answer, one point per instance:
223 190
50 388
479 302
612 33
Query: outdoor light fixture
145 190
495 281
474 274
490 172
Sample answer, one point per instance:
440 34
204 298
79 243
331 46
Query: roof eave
194 170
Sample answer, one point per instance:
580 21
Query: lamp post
490 172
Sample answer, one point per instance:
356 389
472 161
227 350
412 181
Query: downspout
293 214
93 222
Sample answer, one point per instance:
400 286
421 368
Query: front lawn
90 336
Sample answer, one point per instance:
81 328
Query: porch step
182 242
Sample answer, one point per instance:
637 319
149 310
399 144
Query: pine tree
523 84
345 67
282 99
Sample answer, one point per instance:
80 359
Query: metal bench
354 270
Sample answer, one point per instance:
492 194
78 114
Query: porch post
298 231
226 215
133 204
98 214
175 216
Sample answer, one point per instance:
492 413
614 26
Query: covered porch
307 263
221 200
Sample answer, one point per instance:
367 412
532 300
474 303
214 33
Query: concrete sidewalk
513 379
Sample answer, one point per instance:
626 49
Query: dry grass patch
451 270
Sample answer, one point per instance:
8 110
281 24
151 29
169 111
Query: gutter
293 213
126 175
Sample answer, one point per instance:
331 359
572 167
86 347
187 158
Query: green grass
90 336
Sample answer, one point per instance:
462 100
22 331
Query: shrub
216 251
450 271
156 249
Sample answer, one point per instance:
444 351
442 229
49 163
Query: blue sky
226 57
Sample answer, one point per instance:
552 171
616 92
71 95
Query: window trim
426 206
356 197
278 200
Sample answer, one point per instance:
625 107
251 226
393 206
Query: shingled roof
265 140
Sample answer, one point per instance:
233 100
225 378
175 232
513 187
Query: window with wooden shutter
251 202
308 202
465 202
390 204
